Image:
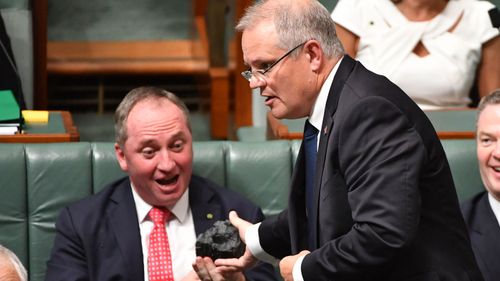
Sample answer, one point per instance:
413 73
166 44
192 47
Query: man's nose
257 83
166 162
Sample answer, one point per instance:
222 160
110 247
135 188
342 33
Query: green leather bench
36 180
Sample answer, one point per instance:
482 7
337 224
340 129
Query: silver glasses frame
249 73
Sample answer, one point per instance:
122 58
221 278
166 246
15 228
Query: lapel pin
325 130
210 216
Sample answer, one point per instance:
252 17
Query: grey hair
491 99
295 24
16 263
139 94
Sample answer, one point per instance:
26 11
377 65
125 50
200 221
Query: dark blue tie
310 146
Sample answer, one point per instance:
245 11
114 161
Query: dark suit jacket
98 237
385 202
484 233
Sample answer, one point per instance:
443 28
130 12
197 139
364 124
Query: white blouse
387 40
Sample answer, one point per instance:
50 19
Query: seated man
11 268
144 226
482 212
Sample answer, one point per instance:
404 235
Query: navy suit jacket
98 238
484 233
385 202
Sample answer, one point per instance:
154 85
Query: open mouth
168 181
269 100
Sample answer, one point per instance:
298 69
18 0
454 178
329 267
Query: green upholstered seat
37 180
461 154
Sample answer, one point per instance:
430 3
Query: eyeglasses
249 74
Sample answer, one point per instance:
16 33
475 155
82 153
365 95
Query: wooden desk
449 124
59 129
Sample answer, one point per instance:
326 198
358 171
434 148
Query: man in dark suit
482 212
108 236
383 204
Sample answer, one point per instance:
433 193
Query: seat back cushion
261 171
58 174
461 154
13 209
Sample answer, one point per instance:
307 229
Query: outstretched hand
206 270
247 259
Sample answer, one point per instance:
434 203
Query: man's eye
485 141
148 152
265 66
177 146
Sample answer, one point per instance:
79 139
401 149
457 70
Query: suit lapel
297 205
205 210
343 72
487 236
122 217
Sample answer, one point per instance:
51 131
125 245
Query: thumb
239 223
235 219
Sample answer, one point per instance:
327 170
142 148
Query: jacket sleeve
67 260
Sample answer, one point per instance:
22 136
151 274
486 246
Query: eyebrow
484 133
259 61
147 142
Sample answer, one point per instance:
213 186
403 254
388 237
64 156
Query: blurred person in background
433 49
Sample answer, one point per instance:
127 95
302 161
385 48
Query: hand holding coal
220 241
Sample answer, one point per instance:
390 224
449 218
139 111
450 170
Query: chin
278 114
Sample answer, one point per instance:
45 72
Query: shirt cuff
253 244
296 271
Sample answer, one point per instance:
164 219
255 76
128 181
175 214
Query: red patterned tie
159 259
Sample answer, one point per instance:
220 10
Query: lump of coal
220 241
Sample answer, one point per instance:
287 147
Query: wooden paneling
242 91
159 57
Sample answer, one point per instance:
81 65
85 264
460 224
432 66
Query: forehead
259 41
155 110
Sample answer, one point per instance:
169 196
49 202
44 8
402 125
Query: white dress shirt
495 206
180 231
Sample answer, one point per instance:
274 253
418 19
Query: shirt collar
318 111
179 210
495 206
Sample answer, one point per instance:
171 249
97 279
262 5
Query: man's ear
314 54
120 156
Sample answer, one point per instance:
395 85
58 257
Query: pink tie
159 259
